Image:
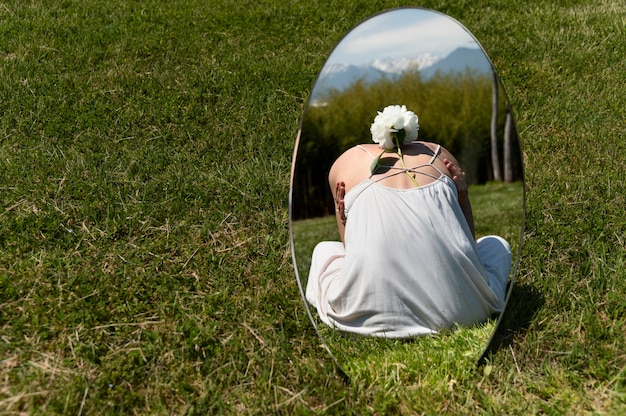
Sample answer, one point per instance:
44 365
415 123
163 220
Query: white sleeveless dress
410 264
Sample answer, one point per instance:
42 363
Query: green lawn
145 152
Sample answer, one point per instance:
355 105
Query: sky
406 32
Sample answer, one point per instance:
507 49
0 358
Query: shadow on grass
524 303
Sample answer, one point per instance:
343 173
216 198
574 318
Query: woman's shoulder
363 148
425 145
428 148
360 151
374 149
353 164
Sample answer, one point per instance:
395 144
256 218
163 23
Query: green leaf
375 163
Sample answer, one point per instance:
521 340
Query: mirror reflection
407 191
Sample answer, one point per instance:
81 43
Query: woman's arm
338 189
348 170
458 176
340 210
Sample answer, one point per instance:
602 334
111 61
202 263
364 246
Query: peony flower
393 126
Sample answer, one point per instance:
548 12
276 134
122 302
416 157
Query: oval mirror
430 63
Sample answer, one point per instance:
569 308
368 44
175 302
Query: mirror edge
490 347
338 367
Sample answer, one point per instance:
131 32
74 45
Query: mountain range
341 76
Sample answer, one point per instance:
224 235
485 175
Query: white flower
394 122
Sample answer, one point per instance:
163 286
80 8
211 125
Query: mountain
458 61
398 66
341 76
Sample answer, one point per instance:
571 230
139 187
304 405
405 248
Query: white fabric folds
410 265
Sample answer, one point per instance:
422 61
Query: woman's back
354 165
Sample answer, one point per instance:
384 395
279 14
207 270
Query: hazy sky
402 33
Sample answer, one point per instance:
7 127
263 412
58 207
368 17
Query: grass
145 150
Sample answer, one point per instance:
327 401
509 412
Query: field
145 153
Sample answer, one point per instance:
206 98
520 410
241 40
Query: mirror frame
488 348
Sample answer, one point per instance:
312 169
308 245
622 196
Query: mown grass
144 166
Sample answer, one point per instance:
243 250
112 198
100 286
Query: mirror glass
432 64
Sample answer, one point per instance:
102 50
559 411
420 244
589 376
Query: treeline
454 110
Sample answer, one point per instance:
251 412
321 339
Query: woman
408 263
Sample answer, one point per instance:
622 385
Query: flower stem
404 167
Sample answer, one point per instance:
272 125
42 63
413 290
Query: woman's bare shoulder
433 147
363 148
354 162
358 152
429 145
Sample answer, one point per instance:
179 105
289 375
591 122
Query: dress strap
437 151
399 171
366 151
415 169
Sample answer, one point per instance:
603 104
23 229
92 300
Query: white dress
410 264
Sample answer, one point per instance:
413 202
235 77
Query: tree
495 158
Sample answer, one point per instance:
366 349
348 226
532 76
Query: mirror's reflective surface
433 65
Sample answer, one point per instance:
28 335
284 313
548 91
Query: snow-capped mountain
460 60
397 66
341 76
